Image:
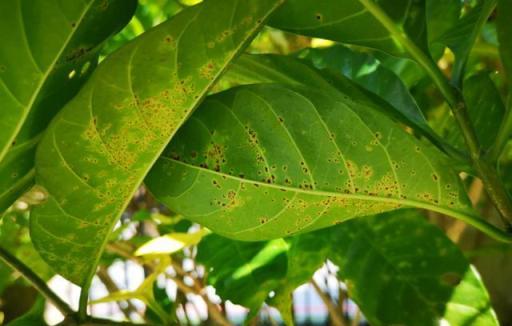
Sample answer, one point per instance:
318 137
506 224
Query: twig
112 287
36 282
336 317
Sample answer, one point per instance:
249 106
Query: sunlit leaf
49 48
170 243
266 161
99 148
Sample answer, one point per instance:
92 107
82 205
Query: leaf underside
101 145
267 161
43 63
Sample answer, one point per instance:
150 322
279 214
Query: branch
36 281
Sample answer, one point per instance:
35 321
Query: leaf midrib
406 202
43 80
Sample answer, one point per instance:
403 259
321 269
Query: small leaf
170 243
99 148
267 161
49 49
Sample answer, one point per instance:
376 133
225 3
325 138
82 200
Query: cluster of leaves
315 155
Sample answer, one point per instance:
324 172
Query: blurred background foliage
167 274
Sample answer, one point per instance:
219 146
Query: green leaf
367 72
398 103
349 21
485 107
441 16
35 316
266 161
462 36
99 148
49 48
243 272
504 31
402 270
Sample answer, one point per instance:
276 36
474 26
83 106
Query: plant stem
36 281
485 171
336 317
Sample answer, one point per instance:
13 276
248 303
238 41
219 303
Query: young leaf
98 149
266 161
48 51
243 272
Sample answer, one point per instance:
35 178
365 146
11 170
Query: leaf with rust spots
116 127
310 158
42 66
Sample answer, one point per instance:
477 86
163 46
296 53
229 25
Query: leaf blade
49 56
122 119
313 158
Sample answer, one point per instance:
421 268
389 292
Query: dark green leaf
243 272
35 316
49 48
504 28
99 148
266 161
402 270
462 36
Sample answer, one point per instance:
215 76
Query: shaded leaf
504 29
266 161
35 316
98 149
49 48
402 270
243 272
462 36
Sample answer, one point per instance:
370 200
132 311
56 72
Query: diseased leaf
49 48
98 149
243 272
402 270
367 72
266 161
251 69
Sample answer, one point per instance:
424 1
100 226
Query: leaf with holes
49 49
266 161
99 148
